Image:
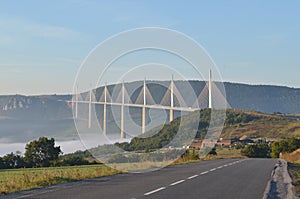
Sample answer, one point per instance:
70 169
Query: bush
284 146
261 150
74 160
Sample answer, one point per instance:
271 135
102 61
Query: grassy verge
222 153
13 180
294 171
293 160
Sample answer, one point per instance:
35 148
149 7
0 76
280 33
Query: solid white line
178 182
194 176
213 169
205 172
156 190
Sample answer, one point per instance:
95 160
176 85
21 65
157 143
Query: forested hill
237 123
263 98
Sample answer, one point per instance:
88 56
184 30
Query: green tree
41 152
12 160
261 150
284 146
2 165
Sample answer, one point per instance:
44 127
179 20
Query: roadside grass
294 171
14 180
293 160
222 153
293 157
139 166
226 151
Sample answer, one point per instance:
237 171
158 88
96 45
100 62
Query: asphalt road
225 179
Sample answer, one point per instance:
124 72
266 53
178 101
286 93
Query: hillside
237 124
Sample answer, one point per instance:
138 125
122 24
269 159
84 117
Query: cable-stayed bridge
171 101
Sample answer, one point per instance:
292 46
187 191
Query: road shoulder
280 186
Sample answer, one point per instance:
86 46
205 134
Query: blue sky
42 43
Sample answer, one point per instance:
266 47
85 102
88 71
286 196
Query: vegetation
12 180
285 146
12 160
294 171
237 123
44 153
260 150
289 150
293 159
41 152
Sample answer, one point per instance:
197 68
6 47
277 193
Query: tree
12 161
2 164
41 152
285 146
261 150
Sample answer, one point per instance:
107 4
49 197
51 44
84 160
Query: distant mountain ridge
262 98
23 118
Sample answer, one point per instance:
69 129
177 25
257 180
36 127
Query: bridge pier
171 115
90 110
143 120
122 111
104 111
209 91
76 103
144 109
172 100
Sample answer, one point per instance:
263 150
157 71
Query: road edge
280 183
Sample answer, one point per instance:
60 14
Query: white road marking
205 172
178 182
154 191
194 176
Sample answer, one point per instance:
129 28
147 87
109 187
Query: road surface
225 179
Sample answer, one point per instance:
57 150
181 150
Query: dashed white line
178 182
194 176
154 191
191 177
205 172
